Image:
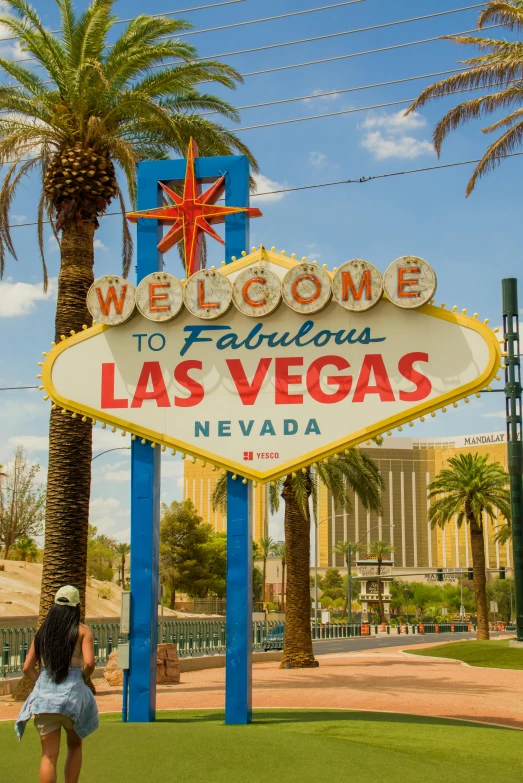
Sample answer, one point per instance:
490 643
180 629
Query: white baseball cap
68 596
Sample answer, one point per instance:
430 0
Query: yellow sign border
241 468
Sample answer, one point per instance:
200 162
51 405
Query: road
376 642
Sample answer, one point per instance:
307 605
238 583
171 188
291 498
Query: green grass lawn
298 746
491 654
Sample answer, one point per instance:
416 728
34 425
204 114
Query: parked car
274 639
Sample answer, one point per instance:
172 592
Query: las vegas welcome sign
269 364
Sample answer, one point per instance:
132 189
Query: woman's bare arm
30 664
88 651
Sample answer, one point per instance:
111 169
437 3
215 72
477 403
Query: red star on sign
192 215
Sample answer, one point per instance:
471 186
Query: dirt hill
20 593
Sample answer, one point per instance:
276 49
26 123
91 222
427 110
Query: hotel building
408 466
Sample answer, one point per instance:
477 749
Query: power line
314 95
235 24
270 18
360 54
341 33
358 181
328 36
156 16
352 111
17 388
322 116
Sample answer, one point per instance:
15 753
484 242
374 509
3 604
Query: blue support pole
145 480
238 665
145 508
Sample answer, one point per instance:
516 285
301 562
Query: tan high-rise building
198 485
408 466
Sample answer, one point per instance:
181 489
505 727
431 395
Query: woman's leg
50 749
73 765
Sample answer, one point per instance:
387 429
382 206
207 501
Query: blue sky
471 243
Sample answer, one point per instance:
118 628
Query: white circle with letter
256 291
159 296
208 294
111 300
306 288
410 282
357 285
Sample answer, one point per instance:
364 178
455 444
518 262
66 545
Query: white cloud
17 219
332 96
267 187
98 504
31 442
9 49
53 243
172 469
99 245
20 298
396 147
495 414
387 136
395 122
317 159
105 439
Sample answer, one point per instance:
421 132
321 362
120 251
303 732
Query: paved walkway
378 680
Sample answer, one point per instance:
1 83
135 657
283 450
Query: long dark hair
56 640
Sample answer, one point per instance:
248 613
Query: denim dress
71 698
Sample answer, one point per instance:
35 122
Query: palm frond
495 154
219 494
507 13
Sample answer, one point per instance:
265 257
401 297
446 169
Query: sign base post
238 668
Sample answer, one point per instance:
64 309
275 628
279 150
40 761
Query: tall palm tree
352 469
122 550
344 548
280 550
266 546
380 550
78 125
500 64
469 489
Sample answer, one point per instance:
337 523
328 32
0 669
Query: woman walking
63 651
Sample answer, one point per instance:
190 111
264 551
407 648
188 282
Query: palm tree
344 548
379 550
86 118
26 549
266 546
500 64
280 551
350 469
122 550
469 488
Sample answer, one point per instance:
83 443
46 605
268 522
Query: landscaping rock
167 662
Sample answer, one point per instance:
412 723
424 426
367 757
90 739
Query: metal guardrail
201 637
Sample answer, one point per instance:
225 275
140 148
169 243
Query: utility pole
514 438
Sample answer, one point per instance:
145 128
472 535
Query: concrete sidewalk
381 680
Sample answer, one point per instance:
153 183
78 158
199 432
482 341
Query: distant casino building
198 485
407 466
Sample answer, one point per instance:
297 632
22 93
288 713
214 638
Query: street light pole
316 526
514 435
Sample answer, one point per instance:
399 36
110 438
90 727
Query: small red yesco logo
247 456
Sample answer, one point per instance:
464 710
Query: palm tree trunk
123 572
297 651
264 578
477 545
70 442
283 565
